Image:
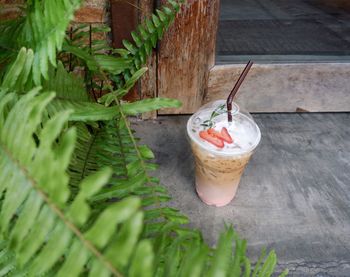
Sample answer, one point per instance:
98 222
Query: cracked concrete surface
294 195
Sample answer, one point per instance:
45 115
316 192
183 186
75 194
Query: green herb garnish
210 122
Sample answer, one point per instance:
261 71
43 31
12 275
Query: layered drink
221 150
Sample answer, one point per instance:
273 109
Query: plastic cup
219 170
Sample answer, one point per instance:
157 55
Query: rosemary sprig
209 123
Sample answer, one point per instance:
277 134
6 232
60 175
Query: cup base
213 203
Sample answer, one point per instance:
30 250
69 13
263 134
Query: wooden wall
186 54
93 11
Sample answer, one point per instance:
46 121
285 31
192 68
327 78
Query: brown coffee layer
221 169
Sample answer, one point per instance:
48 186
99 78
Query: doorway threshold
276 59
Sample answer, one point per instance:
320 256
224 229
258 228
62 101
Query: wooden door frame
180 37
183 67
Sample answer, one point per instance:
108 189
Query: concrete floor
294 195
259 28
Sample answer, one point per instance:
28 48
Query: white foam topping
243 130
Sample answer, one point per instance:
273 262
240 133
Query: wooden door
183 67
186 70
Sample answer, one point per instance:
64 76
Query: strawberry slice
211 139
226 135
223 135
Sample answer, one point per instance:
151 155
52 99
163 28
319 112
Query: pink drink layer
217 178
219 170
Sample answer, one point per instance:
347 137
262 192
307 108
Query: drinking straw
235 89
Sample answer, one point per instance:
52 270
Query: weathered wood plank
186 54
314 87
124 19
148 82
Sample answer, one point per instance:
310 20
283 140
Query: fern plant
77 191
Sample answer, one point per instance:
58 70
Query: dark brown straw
236 88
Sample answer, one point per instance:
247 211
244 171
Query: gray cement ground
307 28
294 195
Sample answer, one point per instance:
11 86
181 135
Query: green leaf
83 111
134 78
44 30
107 99
112 64
247 267
147 105
66 85
110 217
222 255
156 21
258 263
142 262
146 153
174 4
79 209
90 60
129 46
194 261
16 77
122 52
136 38
122 248
269 265
284 273
161 15
150 26
143 32
148 47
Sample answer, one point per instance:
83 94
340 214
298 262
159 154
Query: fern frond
7 259
44 31
9 30
17 75
110 97
150 104
69 90
146 36
66 85
42 228
98 62
84 158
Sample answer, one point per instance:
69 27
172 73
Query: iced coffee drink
221 150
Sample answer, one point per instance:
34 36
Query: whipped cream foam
243 130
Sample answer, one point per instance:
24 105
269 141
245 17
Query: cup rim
220 152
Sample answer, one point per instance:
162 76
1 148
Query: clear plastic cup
219 170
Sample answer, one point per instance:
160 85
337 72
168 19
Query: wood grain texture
88 14
148 82
186 54
285 87
124 19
